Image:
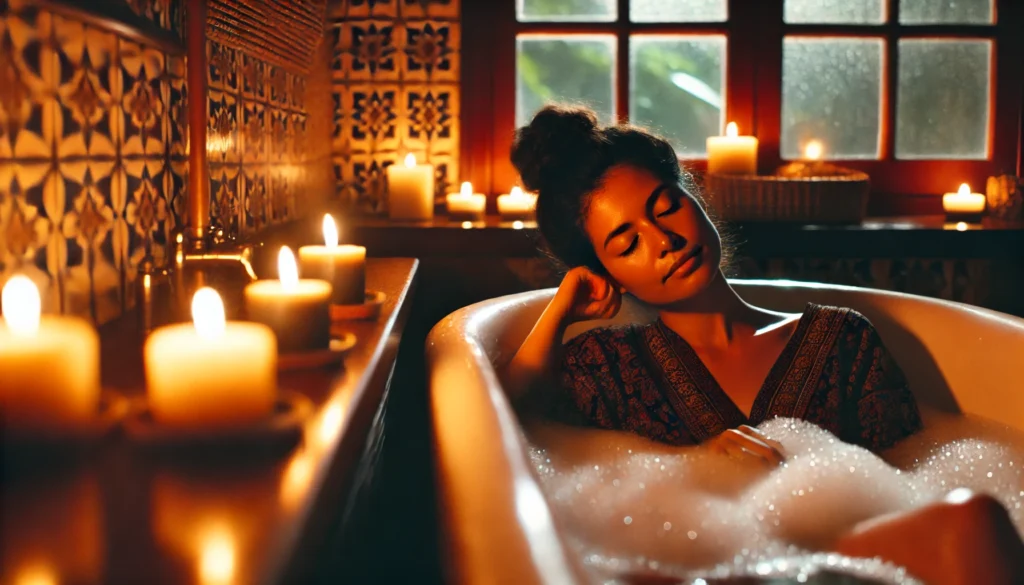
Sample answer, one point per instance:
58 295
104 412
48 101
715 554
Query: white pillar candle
343 266
297 310
732 154
49 365
211 373
963 202
516 205
410 190
466 203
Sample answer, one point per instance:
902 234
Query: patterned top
834 372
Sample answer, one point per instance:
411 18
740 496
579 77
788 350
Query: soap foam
631 505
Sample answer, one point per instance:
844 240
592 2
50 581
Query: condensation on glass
835 12
576 69
566 10
948 11
677 88
678 11
832 93
942 109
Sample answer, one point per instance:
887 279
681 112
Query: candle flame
964 189
515 192
731 129
21 306
330 231
217 556
410 160
813 150
208 314
961 226
287 270
467 189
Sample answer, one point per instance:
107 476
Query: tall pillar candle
298 311
211 373
410 190
49 365
732 154
343 266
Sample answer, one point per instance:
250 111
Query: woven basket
838 198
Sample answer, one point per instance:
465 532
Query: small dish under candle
341 343
370 309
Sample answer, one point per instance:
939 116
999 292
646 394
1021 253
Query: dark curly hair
564 154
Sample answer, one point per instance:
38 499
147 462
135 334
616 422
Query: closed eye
675 203
632 246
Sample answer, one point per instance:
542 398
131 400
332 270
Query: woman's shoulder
847 319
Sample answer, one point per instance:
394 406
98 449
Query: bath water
629 505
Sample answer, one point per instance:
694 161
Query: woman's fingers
753 445
756 433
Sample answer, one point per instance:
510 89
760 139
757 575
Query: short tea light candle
732 154
211 373
298 311
49 365
516 205
344 266
466 204
963 205
410 190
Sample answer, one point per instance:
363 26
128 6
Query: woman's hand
748 442
585 295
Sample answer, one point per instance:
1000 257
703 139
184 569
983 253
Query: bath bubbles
631 506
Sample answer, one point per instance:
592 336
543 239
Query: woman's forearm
540 353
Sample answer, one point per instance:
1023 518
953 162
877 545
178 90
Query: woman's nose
669 241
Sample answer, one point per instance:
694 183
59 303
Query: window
921 94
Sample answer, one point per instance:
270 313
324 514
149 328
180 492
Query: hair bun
561 144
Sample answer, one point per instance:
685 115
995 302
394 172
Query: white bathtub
496 524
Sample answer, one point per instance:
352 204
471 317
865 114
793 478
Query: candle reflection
330 423
37 574
296 480
217 555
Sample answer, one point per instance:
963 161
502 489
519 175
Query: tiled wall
94 146
396 90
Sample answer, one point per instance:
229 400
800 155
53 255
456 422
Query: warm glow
39 574
517 225
208 313
287 270
330 231
296 479
410 160
813 150
330 423
731 129
515 193
961 226
467 225
217 556
467 189
964 189
21 305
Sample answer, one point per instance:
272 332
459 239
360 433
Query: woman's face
652 238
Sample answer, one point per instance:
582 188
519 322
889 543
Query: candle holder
796 194
111 410
340 344
280 431
368 310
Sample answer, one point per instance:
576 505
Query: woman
614 207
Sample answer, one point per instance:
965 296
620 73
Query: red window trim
753 99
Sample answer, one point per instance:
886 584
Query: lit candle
466 203
732 154
297 310
411 190
343 266
516 205
49 365
211 373
963 204
813 150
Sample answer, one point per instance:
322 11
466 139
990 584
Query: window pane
831 92
567 68
567 10
946 12
676 88
835 11
943 99
678 11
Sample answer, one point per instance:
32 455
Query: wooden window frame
754 31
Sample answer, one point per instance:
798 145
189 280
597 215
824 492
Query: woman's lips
686 264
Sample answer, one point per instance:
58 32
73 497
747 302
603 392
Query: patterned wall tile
396 73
